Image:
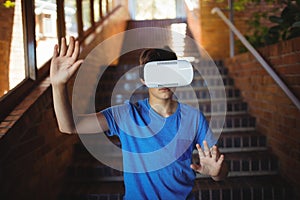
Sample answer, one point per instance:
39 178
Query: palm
64 65
60 69
209 166
210 161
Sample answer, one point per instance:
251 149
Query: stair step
133 82
110 190
242 141
231 140
238 122
93 171
194 96
210 70
239 163
248 163
205 105
212 81
200 91
203 66
235 188
234 105
243 188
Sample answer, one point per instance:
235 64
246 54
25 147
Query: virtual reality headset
171 73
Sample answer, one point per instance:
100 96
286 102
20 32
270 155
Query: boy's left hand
210 161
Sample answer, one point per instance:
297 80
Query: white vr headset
171 73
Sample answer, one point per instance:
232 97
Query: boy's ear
142 81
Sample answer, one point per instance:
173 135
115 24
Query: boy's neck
164 107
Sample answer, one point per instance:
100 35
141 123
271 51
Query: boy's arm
63 66
211 162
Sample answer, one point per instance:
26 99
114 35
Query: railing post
231 34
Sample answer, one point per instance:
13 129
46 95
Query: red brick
274 51
289 122
293 79
290 59
285 47
267 80
289 69
296 44
276 61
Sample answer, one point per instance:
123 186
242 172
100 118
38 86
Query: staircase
253 169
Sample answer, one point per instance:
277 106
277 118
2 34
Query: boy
155 124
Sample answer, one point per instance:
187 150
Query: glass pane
45 29
103 4
96 10
155 9
110 5
71 18
11 43
86 14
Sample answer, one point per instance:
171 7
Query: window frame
98 9
33 75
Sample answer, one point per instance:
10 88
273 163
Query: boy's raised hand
210 161
64 63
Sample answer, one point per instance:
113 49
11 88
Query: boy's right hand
64 64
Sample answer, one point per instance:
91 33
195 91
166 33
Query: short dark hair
153 54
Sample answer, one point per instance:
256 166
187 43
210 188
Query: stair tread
249 154
90 187
241 182
243 154
117 187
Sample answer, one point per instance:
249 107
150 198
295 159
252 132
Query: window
110 5
71 18
104 7
12 44
27 47
97 10
45 30
155 9
192 4
86 14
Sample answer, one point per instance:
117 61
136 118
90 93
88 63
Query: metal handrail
259 58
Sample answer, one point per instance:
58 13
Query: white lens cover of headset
171 73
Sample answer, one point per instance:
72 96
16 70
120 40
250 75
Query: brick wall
34 155
6 27
212 33
276 115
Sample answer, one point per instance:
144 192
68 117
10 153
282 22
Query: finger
214 152
221 159
71 47
217 153
76 50
55 51
74 67
206 149
195 167
63 47
200 152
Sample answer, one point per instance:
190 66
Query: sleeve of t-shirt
204 132
111 114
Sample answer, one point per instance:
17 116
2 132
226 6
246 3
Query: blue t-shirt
157 151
